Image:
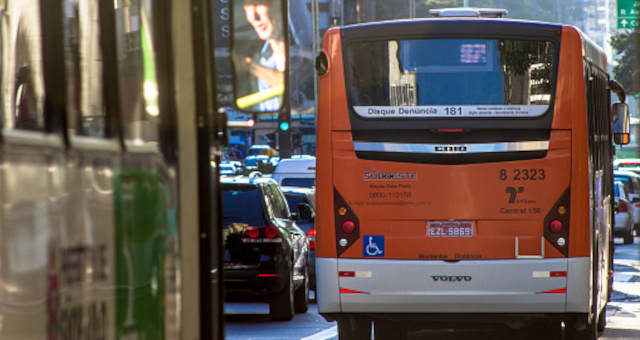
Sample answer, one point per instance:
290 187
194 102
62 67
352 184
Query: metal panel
452 148
327 286
501 286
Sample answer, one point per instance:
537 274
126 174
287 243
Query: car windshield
299 182
294 199
243 203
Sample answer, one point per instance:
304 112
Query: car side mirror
621 123
304 212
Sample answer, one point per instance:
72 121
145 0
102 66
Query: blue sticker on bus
373 246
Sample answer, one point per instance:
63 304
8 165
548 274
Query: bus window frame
553 78
453 29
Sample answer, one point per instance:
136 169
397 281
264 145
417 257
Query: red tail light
348 227
251 232
270 232
555 226
311 235
622 207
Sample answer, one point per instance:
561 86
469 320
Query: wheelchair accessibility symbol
373 246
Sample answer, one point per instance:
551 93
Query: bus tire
301 297
385 330
354 329
628 238
582 329
282 307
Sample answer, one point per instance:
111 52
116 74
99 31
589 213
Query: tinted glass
294 199
626 182
299 182
83 64
466 78
137 66
616 191
22 68
244 204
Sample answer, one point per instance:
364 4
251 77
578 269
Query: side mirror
621 123
260 55
304 212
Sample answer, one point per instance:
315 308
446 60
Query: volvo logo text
451 148
451 278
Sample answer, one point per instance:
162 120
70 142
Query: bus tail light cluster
347 224
556 224
348 227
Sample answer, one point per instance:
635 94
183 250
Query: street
246 321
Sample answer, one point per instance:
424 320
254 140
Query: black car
306 196
265 252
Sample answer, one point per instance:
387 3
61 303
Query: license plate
451 228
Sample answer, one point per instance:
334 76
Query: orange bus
464 174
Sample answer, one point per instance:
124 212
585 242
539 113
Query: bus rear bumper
416 287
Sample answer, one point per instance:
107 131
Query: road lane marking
323 335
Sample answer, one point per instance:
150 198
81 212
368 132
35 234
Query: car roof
307 165
247 180
297 190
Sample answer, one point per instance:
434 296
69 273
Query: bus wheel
302 293
581 329
385 330
281 307
354 329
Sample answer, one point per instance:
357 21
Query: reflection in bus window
83 64
482 72
138 85
22 78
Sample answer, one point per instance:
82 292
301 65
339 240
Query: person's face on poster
258 16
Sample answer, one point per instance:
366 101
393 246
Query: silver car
623 223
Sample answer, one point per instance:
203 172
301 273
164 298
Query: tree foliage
627 72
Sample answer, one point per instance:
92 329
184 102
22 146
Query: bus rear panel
453 171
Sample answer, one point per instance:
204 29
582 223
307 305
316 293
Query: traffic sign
628 13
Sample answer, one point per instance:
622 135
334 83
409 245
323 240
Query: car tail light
622 207
251 232
637 205
348 227
555 226
270 232
312 238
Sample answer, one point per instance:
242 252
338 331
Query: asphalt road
250 321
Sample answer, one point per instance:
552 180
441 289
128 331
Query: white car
298 171
623 224
631 182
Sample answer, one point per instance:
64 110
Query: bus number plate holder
451 229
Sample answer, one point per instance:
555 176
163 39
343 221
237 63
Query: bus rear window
450 78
